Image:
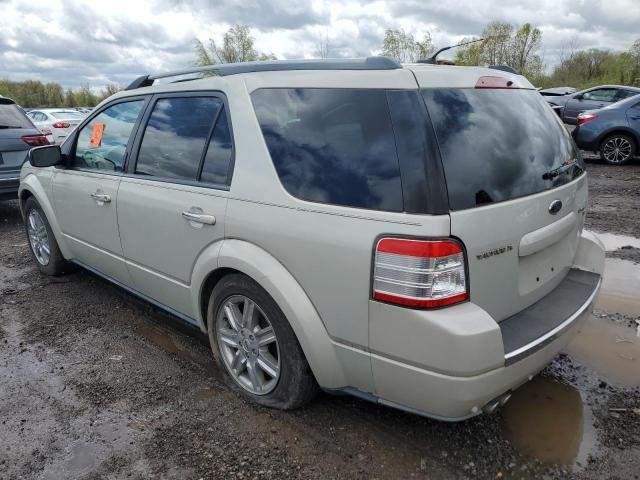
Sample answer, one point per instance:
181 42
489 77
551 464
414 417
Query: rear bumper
459 362
585 138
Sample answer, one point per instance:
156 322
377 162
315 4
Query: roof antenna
433 61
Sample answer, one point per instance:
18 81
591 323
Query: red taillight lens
586 117
61 125
495 82
35 140
419 273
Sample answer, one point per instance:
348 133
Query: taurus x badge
555 207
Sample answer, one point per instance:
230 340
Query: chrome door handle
101 197
199 218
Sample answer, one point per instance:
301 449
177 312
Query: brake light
586 117
61 125
419 273
35 140
495 82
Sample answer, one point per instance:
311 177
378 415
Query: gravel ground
97 384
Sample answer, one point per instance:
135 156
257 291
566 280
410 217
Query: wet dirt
97 384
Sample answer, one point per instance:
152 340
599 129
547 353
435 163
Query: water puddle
547 420
620 292
610 348
613 241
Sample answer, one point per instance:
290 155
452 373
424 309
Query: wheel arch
620 130
238 256
31 187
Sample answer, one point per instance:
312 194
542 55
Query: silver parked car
411 235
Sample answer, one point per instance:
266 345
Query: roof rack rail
224 69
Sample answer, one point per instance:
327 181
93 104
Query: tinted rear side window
11 116
217 161
332 145
497 145
176 135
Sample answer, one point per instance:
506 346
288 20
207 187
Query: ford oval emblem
555 207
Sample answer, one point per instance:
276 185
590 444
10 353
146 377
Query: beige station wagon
409 234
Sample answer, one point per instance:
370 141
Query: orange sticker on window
96 135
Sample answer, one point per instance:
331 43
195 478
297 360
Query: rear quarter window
332 145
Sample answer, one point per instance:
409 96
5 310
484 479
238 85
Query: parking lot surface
97 384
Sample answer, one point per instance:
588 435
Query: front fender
31 183
262 267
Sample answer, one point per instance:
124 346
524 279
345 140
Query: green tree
237 46
403 47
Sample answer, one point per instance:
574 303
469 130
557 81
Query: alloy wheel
248 345
617 150
38 237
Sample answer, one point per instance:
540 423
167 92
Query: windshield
11 116
499 144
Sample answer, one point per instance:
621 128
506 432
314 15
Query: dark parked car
17 136
557 91
570 106
613 131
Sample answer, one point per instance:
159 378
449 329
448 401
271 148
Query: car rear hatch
17 136
516 188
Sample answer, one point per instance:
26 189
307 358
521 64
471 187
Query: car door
588 100
172 203
633 117
85 192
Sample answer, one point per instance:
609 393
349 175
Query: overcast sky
76 42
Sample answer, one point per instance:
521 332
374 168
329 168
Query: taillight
35 140
495 82
419 273
61 125
586 117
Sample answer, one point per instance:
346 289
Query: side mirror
47 156
578 96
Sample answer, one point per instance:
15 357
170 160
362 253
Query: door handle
101 197
199 218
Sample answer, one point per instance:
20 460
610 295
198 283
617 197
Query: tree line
520 47
36 94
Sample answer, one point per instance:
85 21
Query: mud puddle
163 338
620 292
613 241
611 348
548 421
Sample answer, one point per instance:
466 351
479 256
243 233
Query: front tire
256 347
617 149
42 243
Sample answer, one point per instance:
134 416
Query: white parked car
56 123
411 235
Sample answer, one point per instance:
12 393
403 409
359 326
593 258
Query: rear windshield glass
498 145
11 116
332 145
67 115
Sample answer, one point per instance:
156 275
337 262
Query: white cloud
75 42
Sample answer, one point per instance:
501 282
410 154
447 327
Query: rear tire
42 243
256 347
617 149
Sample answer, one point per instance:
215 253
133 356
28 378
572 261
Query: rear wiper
551 174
